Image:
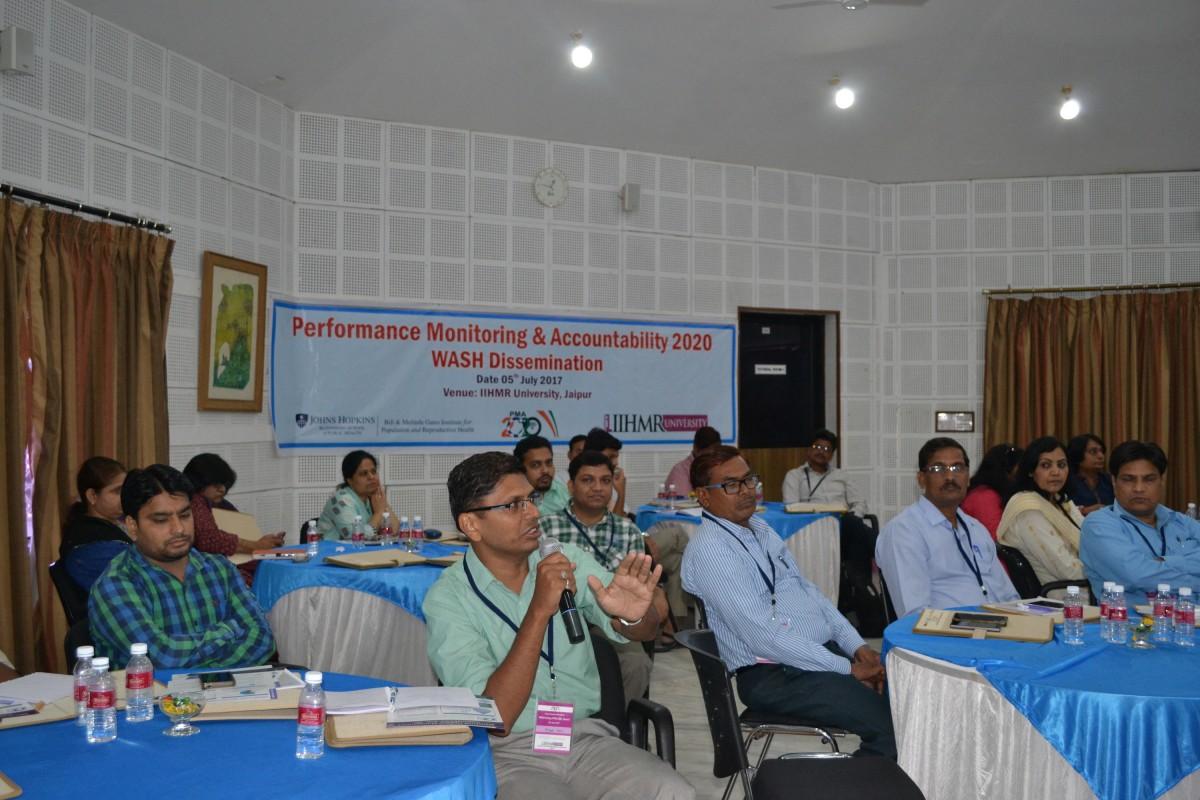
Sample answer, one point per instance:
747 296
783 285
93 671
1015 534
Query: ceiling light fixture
1070 107
843 96
581 54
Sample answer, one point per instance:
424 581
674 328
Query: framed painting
233 305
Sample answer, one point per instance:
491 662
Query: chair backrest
612 691
74 598
889 608
719 705
77 635
701 614
1020 571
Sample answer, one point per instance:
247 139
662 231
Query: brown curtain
84 343
1122 366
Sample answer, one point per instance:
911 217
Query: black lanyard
972 562
583 532
808 480
770 582
1162 535
549 656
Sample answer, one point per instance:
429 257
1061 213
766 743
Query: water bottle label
313 536
311 716
1073 612
1185 617
1103 610
138 680
1119 613
101 699
1164 610
81 692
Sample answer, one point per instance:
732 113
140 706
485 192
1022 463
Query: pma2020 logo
519 424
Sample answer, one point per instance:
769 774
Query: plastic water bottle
1185 618
1073 617
1105 607
1192 512
1164 615
139 685
1118 615
385 530
312 539
405 533
310 717
102 704
671 496
358 535
418 534
83 676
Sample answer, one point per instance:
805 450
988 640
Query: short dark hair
142 485
1134 450
579 437
589 458
1078 446
530 443
708 460
208 469
995 469
353 461
476 477
827 435
935 444
705 437
600 439
1029 461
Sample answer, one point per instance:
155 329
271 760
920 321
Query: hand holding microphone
555 570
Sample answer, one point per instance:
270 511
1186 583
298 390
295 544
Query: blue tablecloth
404 586
1127 720
785 524
237 759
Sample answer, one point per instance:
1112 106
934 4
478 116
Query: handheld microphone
566 604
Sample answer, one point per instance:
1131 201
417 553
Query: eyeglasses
517 506
938 469
734 485
824 448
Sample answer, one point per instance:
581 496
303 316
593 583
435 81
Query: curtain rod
1116 287
83 208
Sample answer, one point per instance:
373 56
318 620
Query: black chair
837 775
74 597
889 608
77 636
631 720
1024 577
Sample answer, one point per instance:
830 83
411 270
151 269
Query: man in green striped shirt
192 609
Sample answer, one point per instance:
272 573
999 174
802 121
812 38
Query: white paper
362 701
39 687
426 696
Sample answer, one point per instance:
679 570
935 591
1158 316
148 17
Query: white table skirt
959 738
341 630
817 549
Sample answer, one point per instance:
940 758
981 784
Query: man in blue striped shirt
792 651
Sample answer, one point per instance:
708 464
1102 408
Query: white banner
346 377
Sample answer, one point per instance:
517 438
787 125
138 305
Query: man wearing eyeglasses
791 650
932 554
493 627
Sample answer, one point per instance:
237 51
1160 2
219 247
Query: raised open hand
629 593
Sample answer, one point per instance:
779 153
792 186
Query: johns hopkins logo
301 420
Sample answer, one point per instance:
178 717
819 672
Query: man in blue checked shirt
792 651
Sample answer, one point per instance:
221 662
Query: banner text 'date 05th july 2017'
345 377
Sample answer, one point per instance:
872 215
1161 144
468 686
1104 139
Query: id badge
552 725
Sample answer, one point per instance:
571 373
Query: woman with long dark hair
93 532
1089 484
1040 520
360 494
992 485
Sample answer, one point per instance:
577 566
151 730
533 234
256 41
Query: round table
812 539
1003 719
362 622
237 759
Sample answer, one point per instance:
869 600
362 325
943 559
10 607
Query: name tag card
552 727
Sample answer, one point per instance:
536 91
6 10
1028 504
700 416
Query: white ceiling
950 89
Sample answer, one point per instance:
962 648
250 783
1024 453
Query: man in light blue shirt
793 652
1138 542
933 555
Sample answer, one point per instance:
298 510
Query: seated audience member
680 475
361 494
1089 484
191 609
923 566
603 441
793 652
992 485
211 478
818 481
574 448
536 455
587 523
7 673
494 627
1137 541
92 535
1040 520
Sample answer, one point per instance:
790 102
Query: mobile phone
215 680
1054 605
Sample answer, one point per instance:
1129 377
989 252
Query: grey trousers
600 766
672 539
635 669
